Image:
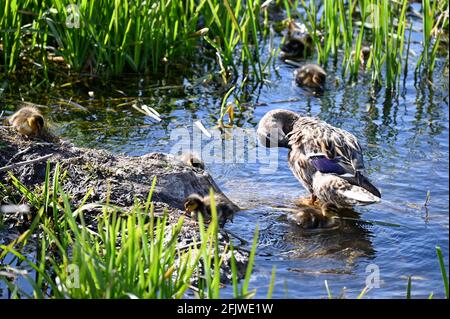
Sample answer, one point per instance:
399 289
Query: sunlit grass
129 254
111 37
379 24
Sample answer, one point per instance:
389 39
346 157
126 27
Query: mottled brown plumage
28 121
298 43
198 204
309 138
313 219
192 160
311 76
364 55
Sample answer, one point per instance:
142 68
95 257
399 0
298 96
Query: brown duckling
311 75
296 48
192 160
197 204
28 121
298 43
364 55
312 218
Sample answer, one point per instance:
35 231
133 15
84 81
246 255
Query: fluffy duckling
197 204
298 43
312 218
363 55
311 76
192 160
28 121
327 160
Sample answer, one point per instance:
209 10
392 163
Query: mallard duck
192 160
28 121
328 161
311 75
197 204
298 42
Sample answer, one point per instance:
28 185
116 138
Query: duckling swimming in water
311 75
192 160
311 218
328 161
197 204
298 43
364 55
28 121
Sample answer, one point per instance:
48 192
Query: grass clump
110 37
131 254
345 26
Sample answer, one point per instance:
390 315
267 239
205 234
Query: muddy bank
122 179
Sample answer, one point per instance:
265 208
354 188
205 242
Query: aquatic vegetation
379 24
132 254
149 37
111 37
435 20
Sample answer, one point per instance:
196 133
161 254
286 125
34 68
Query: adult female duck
328 161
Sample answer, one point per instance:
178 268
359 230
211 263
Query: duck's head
311 75
192 160
36 123
274 127
364 55
193 203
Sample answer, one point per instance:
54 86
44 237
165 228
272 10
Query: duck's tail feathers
360 196
363 182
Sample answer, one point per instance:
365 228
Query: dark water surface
405 139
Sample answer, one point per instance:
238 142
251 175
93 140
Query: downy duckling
310 75
311 218
28 121
364 55
192 160
298 43
197 204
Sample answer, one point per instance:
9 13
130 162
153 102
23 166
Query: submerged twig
427 199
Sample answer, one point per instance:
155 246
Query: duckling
328 161
197 204
298 43
312 218
192 160
364 55
311 75
28 121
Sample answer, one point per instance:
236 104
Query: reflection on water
405 139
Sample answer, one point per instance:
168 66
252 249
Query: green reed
129 254
346 26
435 20
109 37
10 24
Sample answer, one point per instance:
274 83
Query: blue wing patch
326 165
